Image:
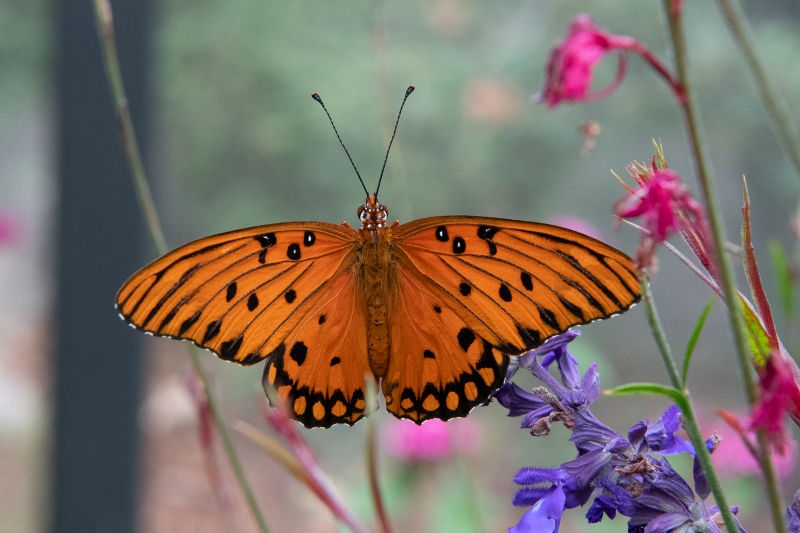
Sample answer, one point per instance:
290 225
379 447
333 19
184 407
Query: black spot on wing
464 289
252 302
441 234
229 349
335 361
437 308
322 319
212 331
231 292
293 252
549 318
487 232
427 354
189 322
298 353
465 338
266 241
309 238
459 246
572 308
527 282
290 296
505 293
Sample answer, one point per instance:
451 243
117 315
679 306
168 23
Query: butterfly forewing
238 294
518 283
438 368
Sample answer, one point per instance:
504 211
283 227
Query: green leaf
757 336
784 277
695 336
650 389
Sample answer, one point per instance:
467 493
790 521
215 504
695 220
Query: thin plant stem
659 335
689 418
776 505
704 458
105 28
775 106
710 200
675 19
372 462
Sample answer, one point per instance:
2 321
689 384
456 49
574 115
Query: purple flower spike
793 514
601 505
545 516
661 437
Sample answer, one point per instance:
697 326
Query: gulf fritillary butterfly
432 308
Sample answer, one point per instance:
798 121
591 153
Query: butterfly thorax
375 270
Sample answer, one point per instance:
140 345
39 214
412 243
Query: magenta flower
570 66
666 208
571 63
434 440
779 395
10 228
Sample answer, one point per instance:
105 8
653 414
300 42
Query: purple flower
545 515
793 514
617 474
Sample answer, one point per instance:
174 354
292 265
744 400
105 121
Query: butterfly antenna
408 92
316 97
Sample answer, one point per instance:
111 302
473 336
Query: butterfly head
373 215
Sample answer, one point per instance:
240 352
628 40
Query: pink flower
10 228
432 441
733 457
571 62
779 395
576 224
570 66
666 208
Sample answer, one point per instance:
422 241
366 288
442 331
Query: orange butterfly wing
516 284
438 368
321 366
474 289
238 294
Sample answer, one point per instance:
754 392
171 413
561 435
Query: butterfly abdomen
376 274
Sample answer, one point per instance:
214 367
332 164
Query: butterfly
432 308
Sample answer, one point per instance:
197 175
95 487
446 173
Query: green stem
775 106
704 458
776 505
722 261
709 196
105 29
372 465
689 418
659 335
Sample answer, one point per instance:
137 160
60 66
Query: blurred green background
235 140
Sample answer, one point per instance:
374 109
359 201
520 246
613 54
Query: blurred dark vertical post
98 365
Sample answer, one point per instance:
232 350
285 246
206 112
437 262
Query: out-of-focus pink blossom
10 228
780 395
432 441
666 208
733 458
576 224
571 63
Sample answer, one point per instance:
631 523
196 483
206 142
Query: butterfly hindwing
240 293
518 283
321 367
438 367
